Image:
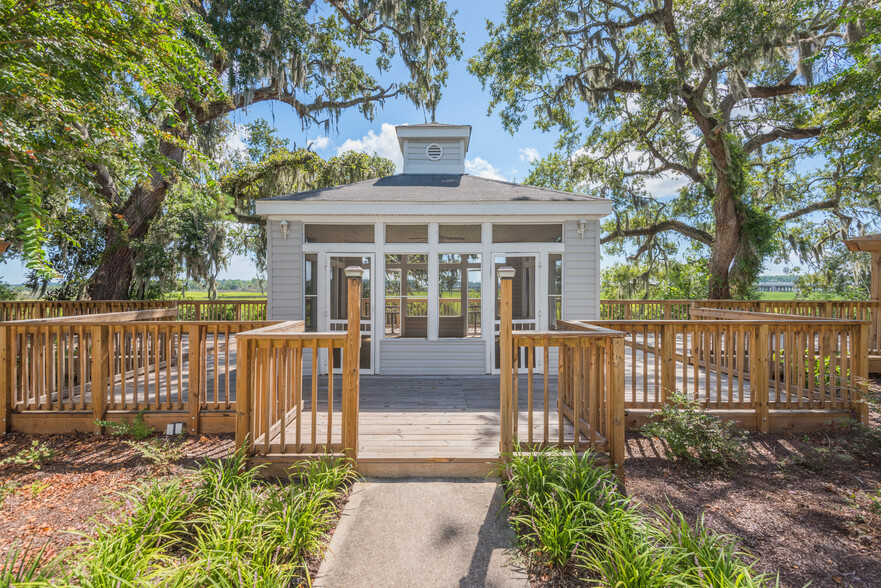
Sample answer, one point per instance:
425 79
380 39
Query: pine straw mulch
806 506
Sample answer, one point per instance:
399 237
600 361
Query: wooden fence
756 363
276 415
66 374
861 310
589 391
255 310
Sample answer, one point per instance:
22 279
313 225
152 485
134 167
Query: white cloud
481 167
529 154
385 145
665 184
319 142
235 142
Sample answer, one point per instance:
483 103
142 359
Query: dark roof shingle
435 188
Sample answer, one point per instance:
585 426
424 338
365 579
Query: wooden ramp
424 426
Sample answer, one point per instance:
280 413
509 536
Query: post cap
354 271
506 272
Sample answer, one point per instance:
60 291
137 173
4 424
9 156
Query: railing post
760 367
6 357
194 377
616 392
243 394
862 373
506 360
100 363
668 363
352 362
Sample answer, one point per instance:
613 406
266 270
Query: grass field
225 295
778 295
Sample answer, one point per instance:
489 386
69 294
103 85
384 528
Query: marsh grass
220 526
572 520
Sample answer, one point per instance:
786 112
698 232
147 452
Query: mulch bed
53 506
806 506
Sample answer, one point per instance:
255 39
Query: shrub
35 456
694 435
138 428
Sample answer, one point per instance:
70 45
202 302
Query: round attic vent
434 152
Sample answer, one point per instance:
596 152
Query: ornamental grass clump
572 521
219 526
694 435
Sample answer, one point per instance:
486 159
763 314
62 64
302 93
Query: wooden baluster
100 360
243 394
194 380
547 368
7 379
530 359
760 369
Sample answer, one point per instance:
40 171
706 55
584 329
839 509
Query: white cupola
434 148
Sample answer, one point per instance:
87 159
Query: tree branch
666 225
822 205
781 133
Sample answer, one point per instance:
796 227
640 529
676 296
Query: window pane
522 289
406 233
406 296
339 233
528 233
555 289
459 233
459 281
310 290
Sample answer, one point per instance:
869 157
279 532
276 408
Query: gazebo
872 244
431 241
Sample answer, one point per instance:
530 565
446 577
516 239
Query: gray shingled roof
434 188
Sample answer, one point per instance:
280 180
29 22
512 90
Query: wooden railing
76 371
581 408
277 414
861 310
188 310
761 362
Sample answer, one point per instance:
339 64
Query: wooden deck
426 418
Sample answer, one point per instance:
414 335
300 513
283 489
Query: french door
336 314
525 306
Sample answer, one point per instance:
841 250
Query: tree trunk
727 238
112 279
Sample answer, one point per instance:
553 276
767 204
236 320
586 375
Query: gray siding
284 269
418 357
581 271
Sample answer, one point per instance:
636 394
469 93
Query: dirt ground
53 506
806 506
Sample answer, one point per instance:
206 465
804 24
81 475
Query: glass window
406 296
311 292
459 233
528 233
339 233
406 233
555 289
459 283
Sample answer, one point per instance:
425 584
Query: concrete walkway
423 533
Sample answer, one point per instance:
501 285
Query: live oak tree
715 94
89 99
318 57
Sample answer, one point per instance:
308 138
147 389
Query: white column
433 283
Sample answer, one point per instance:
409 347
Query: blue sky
492 152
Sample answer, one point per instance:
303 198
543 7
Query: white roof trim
341 210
